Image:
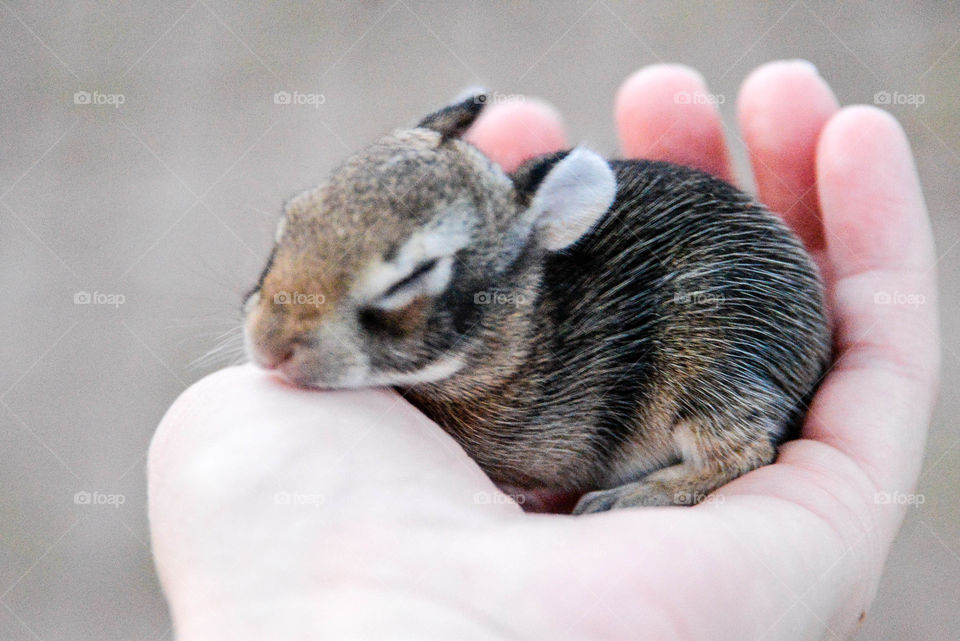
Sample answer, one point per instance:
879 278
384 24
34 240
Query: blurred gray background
162 209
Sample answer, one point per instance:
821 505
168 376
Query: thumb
244 461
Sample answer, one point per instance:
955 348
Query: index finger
876 402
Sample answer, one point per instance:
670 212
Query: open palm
279 513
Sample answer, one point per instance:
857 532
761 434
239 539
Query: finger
664 112
866 427
243 460
517 130
244 426
782 108
874 213
875 403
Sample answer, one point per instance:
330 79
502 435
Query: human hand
279 513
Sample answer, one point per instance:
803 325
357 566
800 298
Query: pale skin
278 513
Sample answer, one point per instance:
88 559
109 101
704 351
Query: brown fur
665 352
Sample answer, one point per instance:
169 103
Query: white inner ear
429 283
572 198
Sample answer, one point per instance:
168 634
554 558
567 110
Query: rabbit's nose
274 358
275 353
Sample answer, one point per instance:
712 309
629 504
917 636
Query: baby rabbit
634 330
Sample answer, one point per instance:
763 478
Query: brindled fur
664 353
688 307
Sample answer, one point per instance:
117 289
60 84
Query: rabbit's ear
456 118
568 193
